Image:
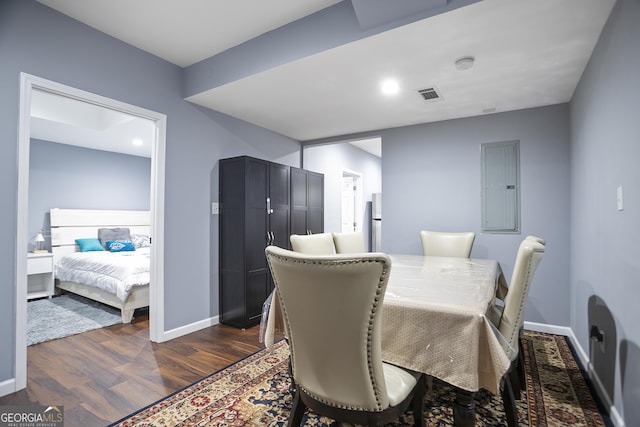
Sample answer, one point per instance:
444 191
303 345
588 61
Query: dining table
435 321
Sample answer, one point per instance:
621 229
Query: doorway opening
28 86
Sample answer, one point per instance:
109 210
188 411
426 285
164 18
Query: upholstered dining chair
536 239
509 320
313 244
349 243
437 243
331 306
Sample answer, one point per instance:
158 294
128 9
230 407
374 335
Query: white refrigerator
376 222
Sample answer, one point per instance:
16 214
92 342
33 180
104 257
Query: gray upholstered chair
436 243
509 320
331 306
349 243
313 244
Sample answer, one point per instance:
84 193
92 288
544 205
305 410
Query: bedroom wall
39 41
332 160
605 267
66 176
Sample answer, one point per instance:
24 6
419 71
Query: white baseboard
187 329
616 419
7 386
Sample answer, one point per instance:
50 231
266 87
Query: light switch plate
620 199
215 208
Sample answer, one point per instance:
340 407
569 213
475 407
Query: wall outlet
215 208
597 336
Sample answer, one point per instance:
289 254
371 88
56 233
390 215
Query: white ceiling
528 53
68 121
184 32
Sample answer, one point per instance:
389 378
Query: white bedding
113 272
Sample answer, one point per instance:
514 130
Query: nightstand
40 281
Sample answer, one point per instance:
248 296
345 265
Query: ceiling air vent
429 94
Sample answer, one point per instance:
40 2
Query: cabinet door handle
269 210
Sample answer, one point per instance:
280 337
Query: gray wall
431 180
605 266
66 176
39 41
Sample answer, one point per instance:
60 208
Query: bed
119 279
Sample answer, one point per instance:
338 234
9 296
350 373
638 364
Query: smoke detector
464 63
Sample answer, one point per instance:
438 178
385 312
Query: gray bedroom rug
64 315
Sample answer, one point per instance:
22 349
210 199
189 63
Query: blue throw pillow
89 245
120 246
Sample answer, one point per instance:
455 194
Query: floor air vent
429 94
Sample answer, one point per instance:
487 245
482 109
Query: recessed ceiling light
390 87
137 141
464 63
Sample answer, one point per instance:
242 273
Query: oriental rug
255 392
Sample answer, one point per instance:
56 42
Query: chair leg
514 379
297 411
417 405
521 366
509 403
292 385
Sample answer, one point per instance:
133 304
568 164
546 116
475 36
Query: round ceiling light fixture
390 87
465 63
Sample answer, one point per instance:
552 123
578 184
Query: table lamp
39 244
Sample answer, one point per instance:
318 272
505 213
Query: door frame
156 298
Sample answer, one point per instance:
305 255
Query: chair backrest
536 239
349 243
331 307
436 243
313 244
529 256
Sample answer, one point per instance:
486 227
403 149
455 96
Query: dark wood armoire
261 204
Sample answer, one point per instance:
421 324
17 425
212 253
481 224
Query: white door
352 212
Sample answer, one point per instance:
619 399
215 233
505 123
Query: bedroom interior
575 155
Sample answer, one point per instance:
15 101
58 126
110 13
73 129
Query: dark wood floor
103 375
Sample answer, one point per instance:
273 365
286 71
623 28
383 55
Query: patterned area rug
254 392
